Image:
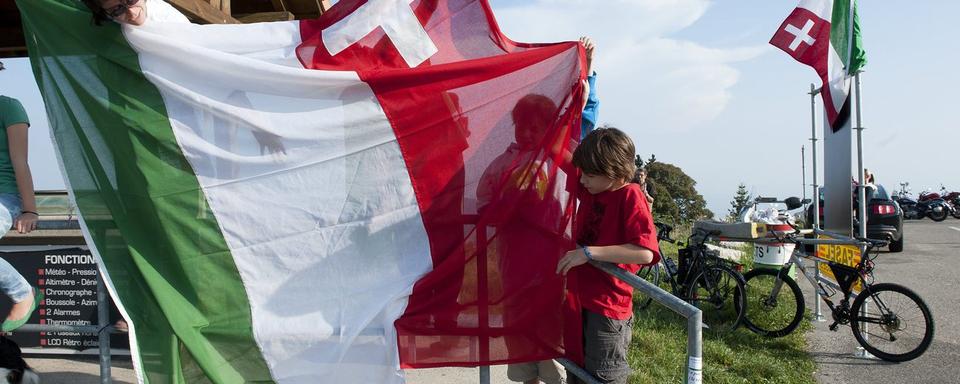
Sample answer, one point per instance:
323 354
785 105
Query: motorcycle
952 199
930 204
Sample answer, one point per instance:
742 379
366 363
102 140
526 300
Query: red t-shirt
613 218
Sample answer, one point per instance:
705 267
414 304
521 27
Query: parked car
884 217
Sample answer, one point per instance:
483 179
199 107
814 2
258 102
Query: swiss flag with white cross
806 37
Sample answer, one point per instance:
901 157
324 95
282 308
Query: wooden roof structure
12 42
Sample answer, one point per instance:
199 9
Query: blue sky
695 82
738 107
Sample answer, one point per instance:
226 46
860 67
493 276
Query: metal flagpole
818 314
813 143
803 172
861 191
861 352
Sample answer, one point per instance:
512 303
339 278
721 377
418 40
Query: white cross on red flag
807 36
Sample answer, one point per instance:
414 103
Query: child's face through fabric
530 131
598 183
532 117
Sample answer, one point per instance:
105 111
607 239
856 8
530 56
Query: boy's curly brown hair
606 151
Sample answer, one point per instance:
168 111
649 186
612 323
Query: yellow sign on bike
848 255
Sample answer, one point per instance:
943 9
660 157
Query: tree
675 197
641 164
740 201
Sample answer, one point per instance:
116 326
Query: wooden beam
202 11
263 17
278 5
225 7
306 8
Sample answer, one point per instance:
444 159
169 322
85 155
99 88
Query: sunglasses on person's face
118 10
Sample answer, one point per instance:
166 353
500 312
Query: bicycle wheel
897 325
649 273
719 292
769 314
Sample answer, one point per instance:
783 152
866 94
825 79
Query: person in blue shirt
591 106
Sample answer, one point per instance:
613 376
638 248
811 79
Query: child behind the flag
614 225
516 182
518 198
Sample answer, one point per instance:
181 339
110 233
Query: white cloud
645 76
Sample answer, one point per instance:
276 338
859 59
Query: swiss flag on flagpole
825 35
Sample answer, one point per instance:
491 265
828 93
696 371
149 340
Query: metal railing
54 225
102 329
693 315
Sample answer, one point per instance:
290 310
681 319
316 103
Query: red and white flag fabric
327 200
825 34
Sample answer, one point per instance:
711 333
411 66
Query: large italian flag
322 201
825 34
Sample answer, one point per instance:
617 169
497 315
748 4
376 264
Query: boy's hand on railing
26 222
571 259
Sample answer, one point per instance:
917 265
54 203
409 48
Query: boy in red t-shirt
613 224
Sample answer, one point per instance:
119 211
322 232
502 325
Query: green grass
658 350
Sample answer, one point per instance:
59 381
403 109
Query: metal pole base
485 374
863 354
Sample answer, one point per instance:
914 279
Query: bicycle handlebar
663 232
869 243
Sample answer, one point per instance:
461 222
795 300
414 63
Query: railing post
818 314
483 316
695 349
103 322
693 314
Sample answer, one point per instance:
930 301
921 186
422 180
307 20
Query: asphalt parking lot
930 266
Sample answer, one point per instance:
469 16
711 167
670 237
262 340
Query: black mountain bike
700 278
889 320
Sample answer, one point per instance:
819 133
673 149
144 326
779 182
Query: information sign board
68 279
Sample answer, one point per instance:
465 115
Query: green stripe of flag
142 204
845 37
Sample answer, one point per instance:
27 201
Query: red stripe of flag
486 135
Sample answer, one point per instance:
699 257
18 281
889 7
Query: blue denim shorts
10 207
11 282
